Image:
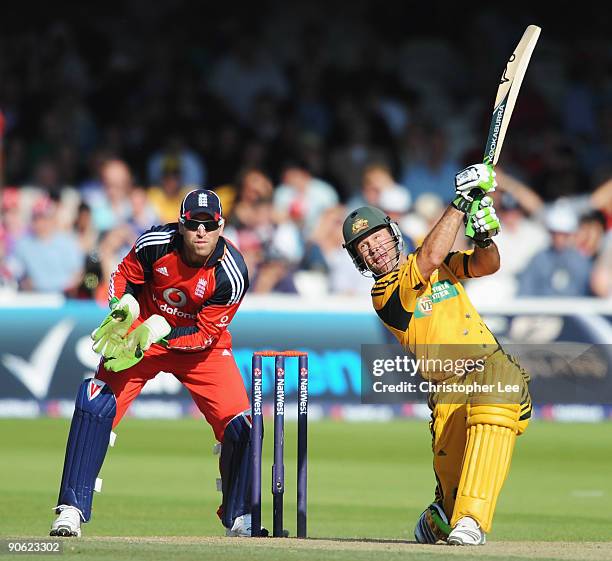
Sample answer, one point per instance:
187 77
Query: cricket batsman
420 299
172 299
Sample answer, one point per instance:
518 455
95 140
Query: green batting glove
115 325
483 221
137 342
480 177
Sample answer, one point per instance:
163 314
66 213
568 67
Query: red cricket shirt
198 302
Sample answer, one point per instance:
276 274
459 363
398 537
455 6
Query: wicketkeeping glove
478 177
115 325
137 342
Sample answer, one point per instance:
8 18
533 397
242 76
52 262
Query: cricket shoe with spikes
241 528
467 532
68 523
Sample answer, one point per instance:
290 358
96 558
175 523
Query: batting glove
484 220
137 342
115 325
474 180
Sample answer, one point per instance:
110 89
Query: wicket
278 467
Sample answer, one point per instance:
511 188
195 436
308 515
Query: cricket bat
507 92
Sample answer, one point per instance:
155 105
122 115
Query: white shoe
467 532
241 528
68 522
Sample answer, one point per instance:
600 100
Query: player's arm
122 293
125 284
476 262
231 283
484 261
484 258
439 241
470 185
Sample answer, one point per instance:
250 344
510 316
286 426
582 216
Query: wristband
483 244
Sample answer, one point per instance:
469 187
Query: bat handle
477 196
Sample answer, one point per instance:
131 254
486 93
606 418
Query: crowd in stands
294 124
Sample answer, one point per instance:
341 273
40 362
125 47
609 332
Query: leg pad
88 440
235 468
491 434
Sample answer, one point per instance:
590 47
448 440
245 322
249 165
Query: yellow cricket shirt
433 318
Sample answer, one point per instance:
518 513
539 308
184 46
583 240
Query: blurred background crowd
296 116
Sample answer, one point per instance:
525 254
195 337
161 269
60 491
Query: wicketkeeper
172 298
420 299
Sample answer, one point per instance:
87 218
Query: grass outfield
368 482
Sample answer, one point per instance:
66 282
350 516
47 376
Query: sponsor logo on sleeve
223 322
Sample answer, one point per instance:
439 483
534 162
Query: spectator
376 180
324 253
13 218
143 214
166 198
427 210
8 282
84 230
601 279
396 203
271 247
522 236
191 166
429 168
559 270
327 91
48 260
590 235
111 206
270 251
254 187
349 161
301 197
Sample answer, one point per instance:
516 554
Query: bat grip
476 195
